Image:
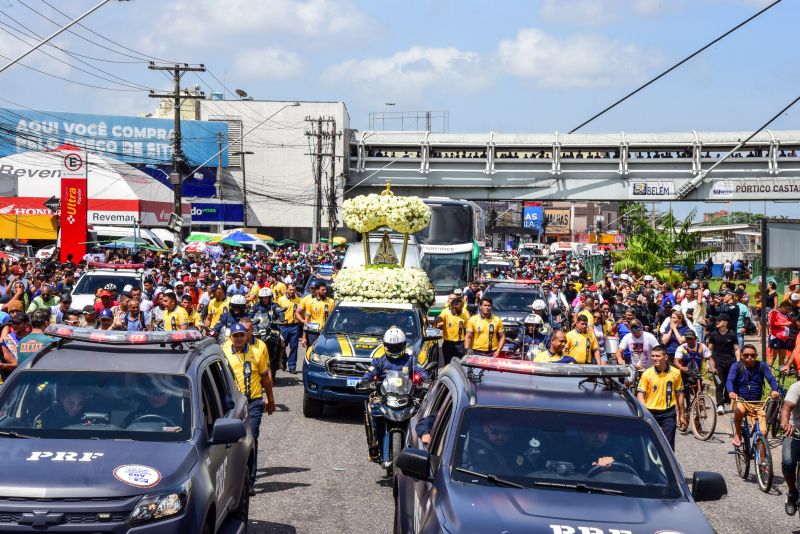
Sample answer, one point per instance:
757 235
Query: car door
237 453
216 455
424 506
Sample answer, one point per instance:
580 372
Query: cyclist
790 449
745 384
690 355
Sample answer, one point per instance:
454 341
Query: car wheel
312 408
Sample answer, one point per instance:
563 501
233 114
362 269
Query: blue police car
517 446
124 432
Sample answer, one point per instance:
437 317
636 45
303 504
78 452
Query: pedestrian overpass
578 167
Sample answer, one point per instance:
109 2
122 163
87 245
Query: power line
68 80
675 66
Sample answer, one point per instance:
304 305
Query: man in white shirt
694 300
639 345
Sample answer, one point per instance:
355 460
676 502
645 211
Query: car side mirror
708 486
312 328
227 431
432 334
415 463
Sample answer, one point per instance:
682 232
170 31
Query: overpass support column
490 155
556 163
772 157
624 150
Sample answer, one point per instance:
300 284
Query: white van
167 236
112 233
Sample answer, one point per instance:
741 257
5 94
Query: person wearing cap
452 321
794 289
57 312
724 349
485 333
36 340
105 301
292 328
217 305
45 301
581 343
690 356
251 371
636 347
88 317
105 319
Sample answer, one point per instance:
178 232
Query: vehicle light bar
99 265
528 367
119 337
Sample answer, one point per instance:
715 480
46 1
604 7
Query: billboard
532 217
557 220
215 212
129 139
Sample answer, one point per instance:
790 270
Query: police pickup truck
349 340
108 431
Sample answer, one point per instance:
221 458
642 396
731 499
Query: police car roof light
116 266
545 369
114 337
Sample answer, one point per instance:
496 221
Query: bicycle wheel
763 460
685 429
704 417
742 460
773 413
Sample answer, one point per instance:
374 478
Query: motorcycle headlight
156 506
396 402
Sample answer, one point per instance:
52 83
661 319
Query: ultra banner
73 204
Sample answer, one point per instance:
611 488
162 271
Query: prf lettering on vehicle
63 456
566 529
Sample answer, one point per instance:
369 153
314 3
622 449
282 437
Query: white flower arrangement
383 284
365 213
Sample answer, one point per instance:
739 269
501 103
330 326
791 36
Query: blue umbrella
239 236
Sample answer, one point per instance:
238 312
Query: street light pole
243 153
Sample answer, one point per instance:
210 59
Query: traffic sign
53 204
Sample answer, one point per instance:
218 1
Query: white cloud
601 12
413 70
577 61
55 63
267 64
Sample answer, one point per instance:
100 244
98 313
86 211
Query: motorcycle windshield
396 382
261 320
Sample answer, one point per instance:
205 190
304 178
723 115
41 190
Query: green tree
657 250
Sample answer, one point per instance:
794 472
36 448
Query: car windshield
326 277
510 300
561 451
372 321
89 283
108 405
447 271
490 267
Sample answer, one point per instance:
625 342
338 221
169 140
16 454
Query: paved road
315 477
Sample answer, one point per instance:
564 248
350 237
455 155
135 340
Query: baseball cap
218 285
179 283
238 328
127 289
794 297
66 297
88 309
690 333
105 314
105 293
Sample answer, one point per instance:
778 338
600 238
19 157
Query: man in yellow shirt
278 287
305 302
317 312
485 333
175 317
453 324
581 343
290 332
555 354
251 371
218 305
252 290
661 390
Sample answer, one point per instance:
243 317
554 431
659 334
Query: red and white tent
119 194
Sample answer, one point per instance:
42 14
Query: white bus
451 245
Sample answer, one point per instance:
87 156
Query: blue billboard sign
532 217
130 139
216 212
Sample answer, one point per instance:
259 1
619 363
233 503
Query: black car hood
484 509
28 471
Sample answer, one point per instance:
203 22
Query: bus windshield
451 224
447 271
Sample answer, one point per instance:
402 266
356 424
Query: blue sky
507 65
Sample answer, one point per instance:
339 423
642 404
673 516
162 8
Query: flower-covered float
384 278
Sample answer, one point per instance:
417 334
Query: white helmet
264 292
238 300
394 342
538 305
533 319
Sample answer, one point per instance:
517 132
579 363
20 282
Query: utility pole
220 194
323 130
318 197
332 187
178 159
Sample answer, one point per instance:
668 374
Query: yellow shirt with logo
305 304
289 307
455 326
257 365
319 310
194 319
545 356
253 293
660 388
173 320
278 290
216 309
580 346
485 332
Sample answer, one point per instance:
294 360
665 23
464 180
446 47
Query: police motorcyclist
531 336
237 310
396 357
266 305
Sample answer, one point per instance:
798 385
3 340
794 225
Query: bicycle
756 449
700 408
774 406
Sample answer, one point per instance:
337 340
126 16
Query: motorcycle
268 330
388 410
